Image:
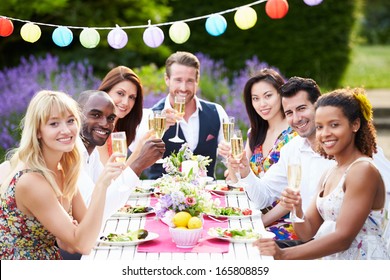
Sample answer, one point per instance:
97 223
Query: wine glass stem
177 129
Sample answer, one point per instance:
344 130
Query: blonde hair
29 152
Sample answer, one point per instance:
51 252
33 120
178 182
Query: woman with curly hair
125 88
346 218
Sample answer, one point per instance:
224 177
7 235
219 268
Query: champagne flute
294 182
151 121
180 103
228 129
159 123
119 145
237 144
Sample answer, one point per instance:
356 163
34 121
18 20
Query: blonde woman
40 202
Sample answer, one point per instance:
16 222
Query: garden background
337 43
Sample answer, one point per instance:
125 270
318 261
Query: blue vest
209 125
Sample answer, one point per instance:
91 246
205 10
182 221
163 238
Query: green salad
236 233
135 209
128 236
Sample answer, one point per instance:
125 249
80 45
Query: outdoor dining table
234 251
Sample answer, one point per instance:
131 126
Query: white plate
234 217
264 234
141 194
134 215
215 189
151 236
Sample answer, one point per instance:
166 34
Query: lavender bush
20 83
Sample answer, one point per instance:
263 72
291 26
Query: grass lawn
369 67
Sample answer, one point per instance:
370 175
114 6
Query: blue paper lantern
62 36
312 2
216 25
117 38
153 36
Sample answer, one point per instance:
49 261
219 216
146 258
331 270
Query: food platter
140 192
138 211
249 235
151 236
254 213
224 189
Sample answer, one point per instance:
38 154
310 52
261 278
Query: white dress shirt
263 192
191 128
119 190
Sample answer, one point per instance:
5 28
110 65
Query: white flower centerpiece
181 191
185 162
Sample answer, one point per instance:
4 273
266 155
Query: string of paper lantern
179 32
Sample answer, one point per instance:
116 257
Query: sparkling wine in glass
179 106
228 129
159 123
294 182
119 145
151 121
237 144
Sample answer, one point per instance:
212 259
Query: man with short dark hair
201 126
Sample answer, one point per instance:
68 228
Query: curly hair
350 103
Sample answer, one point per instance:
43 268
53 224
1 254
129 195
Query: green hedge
309 41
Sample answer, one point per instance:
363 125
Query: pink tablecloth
164 243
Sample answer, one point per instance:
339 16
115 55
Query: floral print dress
259 165
21 236
369 243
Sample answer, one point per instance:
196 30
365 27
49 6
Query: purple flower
166 201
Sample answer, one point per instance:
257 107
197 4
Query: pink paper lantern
6 27
117 38
312 2
276 9
153 36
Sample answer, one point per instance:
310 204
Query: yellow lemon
194 222
181 219
182 228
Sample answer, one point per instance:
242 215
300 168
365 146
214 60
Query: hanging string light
62 36
117 38
245 18
30 32
6 27
276 9
153 36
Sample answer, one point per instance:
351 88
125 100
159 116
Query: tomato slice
247 212
227 234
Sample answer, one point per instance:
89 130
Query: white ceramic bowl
185 238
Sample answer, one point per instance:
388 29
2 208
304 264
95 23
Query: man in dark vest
201 126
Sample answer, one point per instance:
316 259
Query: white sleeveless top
368 244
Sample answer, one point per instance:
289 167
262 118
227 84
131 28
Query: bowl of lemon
187 231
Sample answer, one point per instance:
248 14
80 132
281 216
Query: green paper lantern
179 32
89 38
